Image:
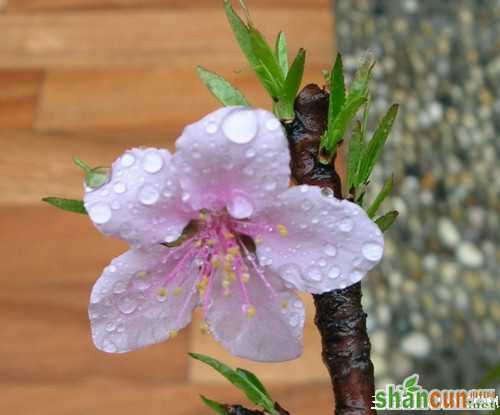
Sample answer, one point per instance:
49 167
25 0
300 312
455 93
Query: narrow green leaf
374 147
359 84
291 87
337 90
253 393
282 53
386 190
353 155
252 378
365 117
71 205
336 132
242 34
221 89
384 222
217 407
266 58
80 163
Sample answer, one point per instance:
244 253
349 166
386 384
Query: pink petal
331 244
236 157
128 306
273 334
141 203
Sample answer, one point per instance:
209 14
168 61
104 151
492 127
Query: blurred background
90 78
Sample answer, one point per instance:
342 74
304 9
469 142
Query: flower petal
328 243
141 203
131 306
273 334
235 157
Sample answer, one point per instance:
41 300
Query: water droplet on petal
110 326
330 250
109 346
211 128
314 274
303 188
356 275
250 153
294 320
119 187
306 205
100 213
372 251
115 205
240 126
346 225
148 195
333 272
272 124
127 160
127 305
326 192
152 162
119 287
269 184
240 207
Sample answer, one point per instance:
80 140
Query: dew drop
148 195
211 128
127 160
127 305
250 153
119 287
330 250
294 320
108 346
326 192
100 213
372 251
303 188
269 184
306 205
272 124
152 162
115 205
333 272
346 225
240 207
356 275
112 268
110 326
314 274
290 272
119 187
240 126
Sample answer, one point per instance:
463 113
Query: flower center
222 252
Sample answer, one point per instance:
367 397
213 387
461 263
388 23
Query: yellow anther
198 243
173 334
177 290
284 304
215 261
245 277
162 292
282 230
250 311
229 258
258 240
234 250
228 235
231 276
211 242
226 283
227 292
202 216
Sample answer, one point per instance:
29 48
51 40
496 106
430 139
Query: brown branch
340 318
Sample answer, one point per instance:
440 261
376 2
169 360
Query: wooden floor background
92 78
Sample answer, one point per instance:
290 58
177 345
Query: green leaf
71 205
94 177
80 163
221 89
384 222
291 87
253 393
215 406
374 147
267 60
358 93
337 130
252 378
364 126
282 53
353 155
337 89
386 190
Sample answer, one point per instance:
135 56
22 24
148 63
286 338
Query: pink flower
253 241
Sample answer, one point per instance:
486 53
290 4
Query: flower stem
340 318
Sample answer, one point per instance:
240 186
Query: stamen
282 230
249 310
173 334
163 292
